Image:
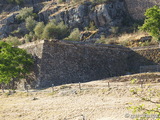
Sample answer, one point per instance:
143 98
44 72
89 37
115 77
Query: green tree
30 23
75 35
152 22
38 30
15 63
54 30
14 41
18 2
24 13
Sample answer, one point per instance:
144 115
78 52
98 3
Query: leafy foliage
30 23
14 41
30 37
18 2
53 30
38 30
24 13
15 63
152 22
75 35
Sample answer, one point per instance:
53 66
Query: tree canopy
152 22
15 63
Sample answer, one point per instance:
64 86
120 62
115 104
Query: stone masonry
62 62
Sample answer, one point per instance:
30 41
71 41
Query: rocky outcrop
103 15
137 8
31 2
7 25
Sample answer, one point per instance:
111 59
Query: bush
24 13
52 30
75 35
30 23
14 41
38 30
30 37
61 1
18 2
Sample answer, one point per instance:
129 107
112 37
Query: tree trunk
13 84
2 87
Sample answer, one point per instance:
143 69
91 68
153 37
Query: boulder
146 38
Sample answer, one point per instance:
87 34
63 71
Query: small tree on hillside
54 30
30 23
15 63
38 30
152 22
24 13
74 35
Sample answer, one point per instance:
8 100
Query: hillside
101 21
95 101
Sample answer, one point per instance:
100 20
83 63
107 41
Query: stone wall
77 62
62 62
137 8
36 49
143 57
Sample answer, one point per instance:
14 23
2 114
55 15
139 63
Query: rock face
31 2
137 8
103 15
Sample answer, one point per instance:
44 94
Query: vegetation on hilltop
152 22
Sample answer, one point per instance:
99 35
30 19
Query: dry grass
95 101
128 40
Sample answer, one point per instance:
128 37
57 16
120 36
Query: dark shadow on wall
64 63
143 57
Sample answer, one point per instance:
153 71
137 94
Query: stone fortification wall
75 62
36 49
143 57
62 62
137 8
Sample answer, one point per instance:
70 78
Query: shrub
61 1
18 2
24 13
14 41
38 30
75 35
62 30
30 37
30 23
49 31
52 30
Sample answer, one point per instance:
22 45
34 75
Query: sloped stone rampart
62 62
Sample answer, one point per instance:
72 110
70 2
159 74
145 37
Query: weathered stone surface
31 2
61 62
103 15
10 19
137 8
142 57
